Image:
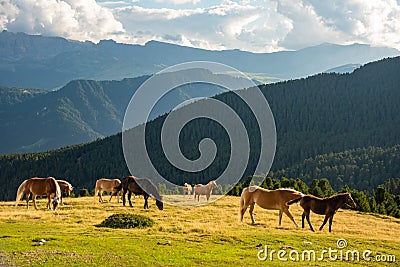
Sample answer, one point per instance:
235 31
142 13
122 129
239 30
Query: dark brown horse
140 186
323 206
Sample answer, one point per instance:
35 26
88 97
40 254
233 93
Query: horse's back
43 186
271 199
107 184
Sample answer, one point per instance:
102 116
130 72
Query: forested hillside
361 168
82 110
322 114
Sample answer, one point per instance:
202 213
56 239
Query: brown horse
107 185
323 206
267 199
39 187
65 186
140 186
206 190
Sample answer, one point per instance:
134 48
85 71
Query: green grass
209 235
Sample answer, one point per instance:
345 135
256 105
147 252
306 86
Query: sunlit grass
181 236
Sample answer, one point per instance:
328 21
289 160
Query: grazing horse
140 186
65 186
39 187
268 199
206 190
322 206
106 185
187 189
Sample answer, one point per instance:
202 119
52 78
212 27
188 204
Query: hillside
361 168
209 235
318 115
82 110
51 62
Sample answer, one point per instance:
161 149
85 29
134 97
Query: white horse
187 189
107 185
200 189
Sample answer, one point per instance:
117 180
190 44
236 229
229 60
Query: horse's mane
290 189
55 186
340 195
253 188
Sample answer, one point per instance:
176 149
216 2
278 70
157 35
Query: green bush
126 221
83 192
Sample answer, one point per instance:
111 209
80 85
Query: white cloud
178 2
374 22
74 19
223 26
259 26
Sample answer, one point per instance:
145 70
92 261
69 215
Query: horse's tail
294 200
20 192
244 194
118 187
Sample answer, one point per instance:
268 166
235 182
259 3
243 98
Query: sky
255 26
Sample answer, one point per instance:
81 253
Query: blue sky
257 26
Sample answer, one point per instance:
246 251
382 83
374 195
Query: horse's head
349 201
69 190
55 202
213 183
159 204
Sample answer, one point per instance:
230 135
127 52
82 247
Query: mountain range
32 61
326 114
84 110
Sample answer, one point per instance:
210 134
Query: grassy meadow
207 235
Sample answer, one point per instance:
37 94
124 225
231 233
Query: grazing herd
279 199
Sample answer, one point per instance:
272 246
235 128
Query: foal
322 206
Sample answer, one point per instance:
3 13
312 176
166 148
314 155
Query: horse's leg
129 199
308 220
243 210
325 220
287 212
280 217
302 219
123 196
48 202
101 195
146 204
27 195
111 196
330 223
34 200
251 212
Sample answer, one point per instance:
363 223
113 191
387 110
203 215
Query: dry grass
207 234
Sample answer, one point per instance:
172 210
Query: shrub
83 192
126 221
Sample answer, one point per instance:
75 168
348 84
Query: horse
106 185
200 189
65 186
268 199
39 187
187 189
140 186
323 206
